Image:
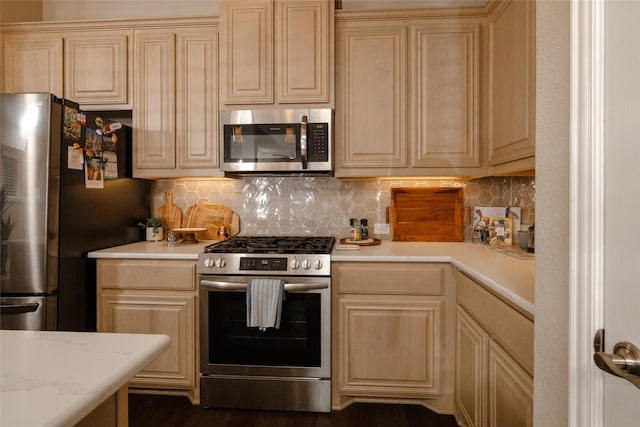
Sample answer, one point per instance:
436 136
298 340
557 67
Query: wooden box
427 214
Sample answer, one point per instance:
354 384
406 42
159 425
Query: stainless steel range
285 367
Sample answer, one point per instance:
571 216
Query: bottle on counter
364 229
355 233
480 232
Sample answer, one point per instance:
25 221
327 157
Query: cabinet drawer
390 278
504 324
147 274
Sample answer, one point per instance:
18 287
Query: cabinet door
389 347
446 92
303 50
33 63
471 371
247 41
97 69
197 100
510 394
511 81
147 313
371 96
154 100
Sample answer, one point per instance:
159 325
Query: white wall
552 213
64 10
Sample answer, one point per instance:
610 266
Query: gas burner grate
273 245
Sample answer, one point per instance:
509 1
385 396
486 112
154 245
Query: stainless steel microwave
277 142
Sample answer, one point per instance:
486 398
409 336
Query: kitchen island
70 378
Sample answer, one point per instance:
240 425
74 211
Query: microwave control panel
318 142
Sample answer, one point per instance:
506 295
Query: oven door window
295 343
262 143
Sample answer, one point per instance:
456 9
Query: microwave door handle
303 142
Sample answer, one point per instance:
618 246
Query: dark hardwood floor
169 411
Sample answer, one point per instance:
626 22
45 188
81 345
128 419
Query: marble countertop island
58 378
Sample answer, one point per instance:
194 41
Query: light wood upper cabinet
409 99
2 61
33 63
176 102
154 100
197 102
98 68
447 104
371 103
512 85
90 67
276 52
304 51
247 40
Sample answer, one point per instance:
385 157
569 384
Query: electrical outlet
381 229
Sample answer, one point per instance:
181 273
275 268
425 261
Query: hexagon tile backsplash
323 206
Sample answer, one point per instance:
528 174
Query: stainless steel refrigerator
66 190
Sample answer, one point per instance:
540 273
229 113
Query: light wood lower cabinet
393 333
494 360
154 297
510 387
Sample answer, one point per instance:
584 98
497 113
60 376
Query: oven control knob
208 262
221 263
294 264
317 264
306 264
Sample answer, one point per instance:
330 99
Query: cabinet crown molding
110 24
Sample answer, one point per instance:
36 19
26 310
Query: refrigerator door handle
18 308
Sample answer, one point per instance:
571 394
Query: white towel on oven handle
264 303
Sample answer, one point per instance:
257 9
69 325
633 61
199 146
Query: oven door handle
234 286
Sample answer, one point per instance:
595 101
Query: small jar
480 232
356 233
364 229
222 232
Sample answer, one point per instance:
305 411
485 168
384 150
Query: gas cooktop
273 245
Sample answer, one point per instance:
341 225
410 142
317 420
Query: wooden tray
210 216
369 242
432 214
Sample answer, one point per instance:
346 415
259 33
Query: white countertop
153 250
509 277
57 378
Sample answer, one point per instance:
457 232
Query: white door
606 183
622 200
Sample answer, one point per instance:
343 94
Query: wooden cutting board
427 214
211 216
170 213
